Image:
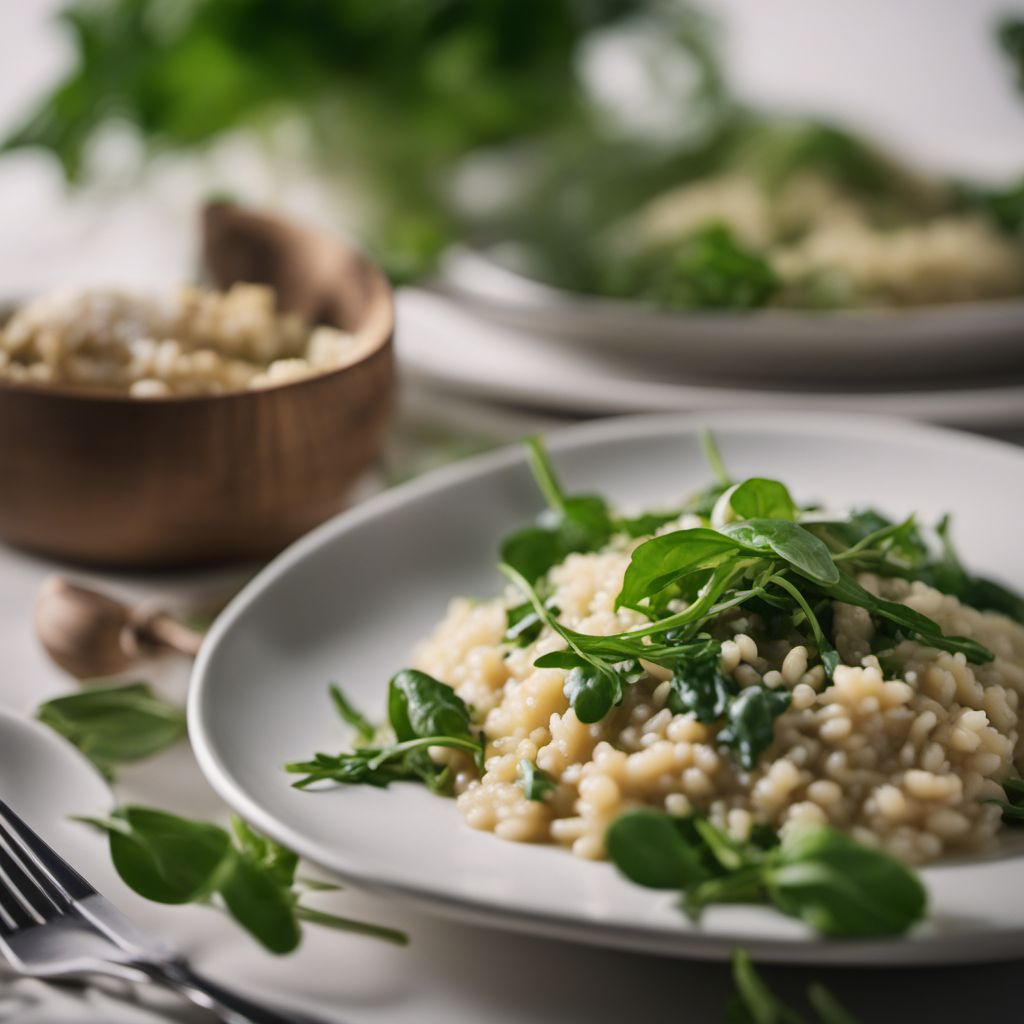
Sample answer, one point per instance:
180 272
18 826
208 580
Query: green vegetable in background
112 725
708 270
834 884
169 859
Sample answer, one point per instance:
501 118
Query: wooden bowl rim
98 396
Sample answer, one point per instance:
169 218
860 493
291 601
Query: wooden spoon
91 635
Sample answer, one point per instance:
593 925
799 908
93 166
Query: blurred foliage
395 91
1011 38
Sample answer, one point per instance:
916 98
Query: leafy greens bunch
817 874
169 859
757 550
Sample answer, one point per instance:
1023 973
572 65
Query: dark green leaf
761 498
592 691
419 706
826 1006
165 858
750 722
927 631
792 543
537 785
700 686
840 887
278 861
649 848
263 906
661 561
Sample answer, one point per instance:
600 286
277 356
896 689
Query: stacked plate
485 331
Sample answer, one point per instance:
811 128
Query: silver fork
54 924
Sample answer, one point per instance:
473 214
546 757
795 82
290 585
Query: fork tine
26 863
32 891
14 915
69 883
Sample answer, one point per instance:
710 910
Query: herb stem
347 924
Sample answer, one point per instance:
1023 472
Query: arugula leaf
112 725
750 722
840 887
661 561
1013 805
755 1002
925 629
537 785
169 859
580 523
362 725
524 625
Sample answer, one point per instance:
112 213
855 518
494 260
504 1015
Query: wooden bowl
128 482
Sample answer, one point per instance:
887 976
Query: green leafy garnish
423 713
114 725
168 859
362 725
710 269
537 785
834 884
750 722
1013 805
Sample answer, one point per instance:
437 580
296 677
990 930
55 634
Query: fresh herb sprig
422 713
169 859
817 874
755 1003
114 725
571 523
1013 805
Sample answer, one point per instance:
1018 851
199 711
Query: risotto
194 342
900 757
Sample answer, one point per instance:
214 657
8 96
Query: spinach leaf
168 859
833 883
592 687
750 722
841 887
115 724
761 498
165 858
661 561
649 848
420 705
700 686
362 725
261 905
537 785
792 543
1013 805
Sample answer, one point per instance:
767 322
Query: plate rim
1001 943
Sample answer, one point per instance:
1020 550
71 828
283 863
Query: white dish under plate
868 346
349 601
452 348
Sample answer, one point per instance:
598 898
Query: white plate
349 601
448 347
774 345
